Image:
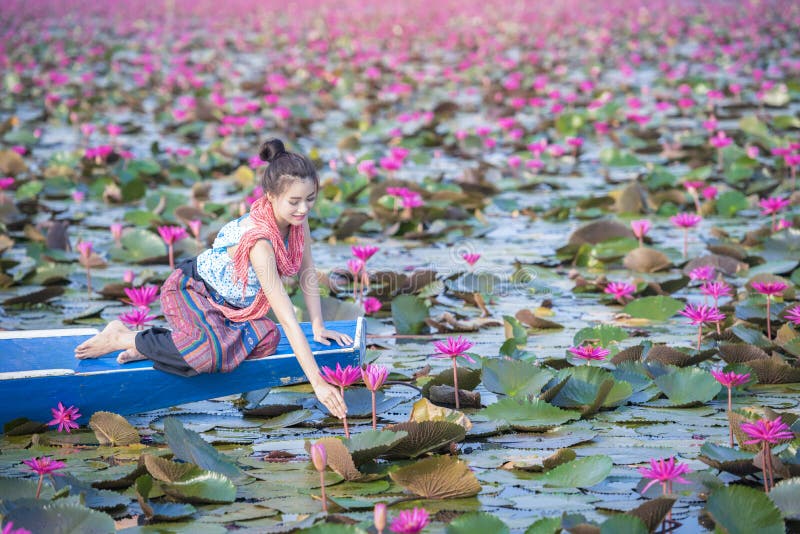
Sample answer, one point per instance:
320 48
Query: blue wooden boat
38 369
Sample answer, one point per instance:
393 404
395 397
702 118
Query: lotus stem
39 486
765 468
322 489
719 159
356 293
699 335
171 257
374 413
641 241
88 280
768 461
344 419
685 243
730 426
774 222
455 381
769 322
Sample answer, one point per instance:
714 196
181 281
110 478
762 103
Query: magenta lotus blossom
374 376
364 253
367 168
319 457
171 234
767 433
640 228
470 258
720 141
664 472
772 206
706 272
410 521
342 378
379 517
141 297
453 348
137 318
769 289
730 380
9 529
716 290
702 314
372 305
589 352
621 291
356 268
685 221
44 466
793 316
65 418
85 251
116 233
5 183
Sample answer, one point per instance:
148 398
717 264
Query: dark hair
284 167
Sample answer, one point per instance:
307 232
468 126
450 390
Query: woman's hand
330 397
323 335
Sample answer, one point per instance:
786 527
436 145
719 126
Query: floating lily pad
140 246
514 377
591 388
370 444
526 415
734 461
786 496
685 387
188 446
424 437
580 473
741 510
477 523
658 308
438 477
59 518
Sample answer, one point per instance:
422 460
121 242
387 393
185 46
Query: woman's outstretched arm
309 284
262 258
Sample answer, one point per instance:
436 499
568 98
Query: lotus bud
319 457
380 517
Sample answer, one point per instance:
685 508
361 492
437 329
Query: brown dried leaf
438 477
166 470
654 511
339 458
529 319
775 371
646 260
424 437
113 429
741 353
598 231
722 264
631 354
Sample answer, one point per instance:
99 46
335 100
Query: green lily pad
786 496
333 528
727 459
477 523
188 446
409 314
741 510
514 377
730 203
287 419
526 415
546 525
658 308
591 388
602 335
201 486
139 246
370 444
59 518
688 386
623 523
580 473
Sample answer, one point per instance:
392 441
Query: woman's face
293 206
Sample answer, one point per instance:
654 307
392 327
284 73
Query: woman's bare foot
115 336
130 355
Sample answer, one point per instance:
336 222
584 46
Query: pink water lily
374 376
767 433
341 377
45 465
706 272
730 380
470 258
171 234
319 458
640 228
685 221
772 206
769 289
85 250
716 290
116 232
136 318
664 472
621 291
454 348
590 352
9 529
65 418
700 315
372 305
141 297
379 517
793 316
410 521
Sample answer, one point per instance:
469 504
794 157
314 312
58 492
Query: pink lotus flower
9 529
470 258
706 272
767 433
367 168
769 289
364 253
372 305
664 472
701 314
342 378
6 183
640 228
128 276
171 234
693 185
793 315
141 297
730 380
589 352
194 227
709 193
65 418
85 249
374 376
772 206
137 318
620 290
685 221
319 457
379 517
44 466
116 232
716 290
113 130
453 348
410 521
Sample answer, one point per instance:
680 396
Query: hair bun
271 149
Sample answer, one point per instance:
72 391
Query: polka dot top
215 265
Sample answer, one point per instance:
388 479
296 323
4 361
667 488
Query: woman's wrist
317 324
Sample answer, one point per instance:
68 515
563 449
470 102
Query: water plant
589 352
664 472
341 377
65 418
410 521
319 457
730 380
766 432
685 221
85 250
379 517
374 376
700 315
640 228
769 289
171 234
45 465
453 348
621 291
772 206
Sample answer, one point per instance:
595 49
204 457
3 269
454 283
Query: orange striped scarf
288 261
